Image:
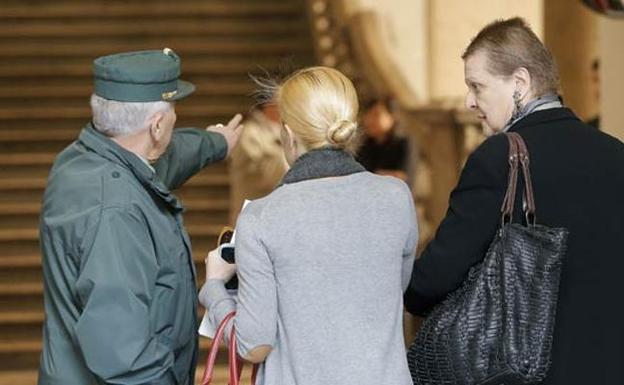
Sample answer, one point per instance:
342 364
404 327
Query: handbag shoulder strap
518 156
510 194
214 349
234 361
236 364
529 197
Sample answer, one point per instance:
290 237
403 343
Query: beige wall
611 36
406 35
453 23
571 34
429 36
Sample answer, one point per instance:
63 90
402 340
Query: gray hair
115 118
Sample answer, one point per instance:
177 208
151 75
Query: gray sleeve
217 301
409 252
256 311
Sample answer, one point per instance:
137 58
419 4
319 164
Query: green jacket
119 280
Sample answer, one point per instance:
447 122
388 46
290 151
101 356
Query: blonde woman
323 260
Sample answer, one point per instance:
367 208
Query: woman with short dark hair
578 182
383 151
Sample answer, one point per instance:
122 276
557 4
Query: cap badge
169 95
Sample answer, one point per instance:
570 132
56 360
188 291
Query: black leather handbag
497 327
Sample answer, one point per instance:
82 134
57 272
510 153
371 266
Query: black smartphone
227 254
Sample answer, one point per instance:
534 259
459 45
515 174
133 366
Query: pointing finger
235 121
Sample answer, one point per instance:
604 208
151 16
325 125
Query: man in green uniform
120 292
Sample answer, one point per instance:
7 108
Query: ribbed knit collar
322 163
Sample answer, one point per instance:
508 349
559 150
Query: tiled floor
28 377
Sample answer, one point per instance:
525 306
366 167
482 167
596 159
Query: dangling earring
517 105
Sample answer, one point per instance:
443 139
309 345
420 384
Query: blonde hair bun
341 132
320 106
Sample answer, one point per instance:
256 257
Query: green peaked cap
141 76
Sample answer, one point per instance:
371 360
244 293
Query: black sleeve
467 230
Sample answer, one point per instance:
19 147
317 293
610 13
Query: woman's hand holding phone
217 268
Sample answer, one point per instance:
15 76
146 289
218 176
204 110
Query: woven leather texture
497 327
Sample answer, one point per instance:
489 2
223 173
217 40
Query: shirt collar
146 163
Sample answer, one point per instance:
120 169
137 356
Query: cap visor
184 89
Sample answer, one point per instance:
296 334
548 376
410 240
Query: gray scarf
543 103
322 163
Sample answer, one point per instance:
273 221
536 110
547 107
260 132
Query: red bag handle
235 364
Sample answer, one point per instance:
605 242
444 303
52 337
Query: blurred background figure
594 121
258 163
383 151
614 8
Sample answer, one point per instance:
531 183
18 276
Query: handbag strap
510 194
214 349
529 198
235 365
518 157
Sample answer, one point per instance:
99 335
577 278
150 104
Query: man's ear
155 129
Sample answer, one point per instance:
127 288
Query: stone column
570 32
611 36
404 31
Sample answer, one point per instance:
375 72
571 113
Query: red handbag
234 361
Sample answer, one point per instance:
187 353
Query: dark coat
578 178
119 279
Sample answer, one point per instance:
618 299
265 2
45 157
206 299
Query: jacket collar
322 163
108 149
543 117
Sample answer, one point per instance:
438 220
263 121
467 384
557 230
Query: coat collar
322 163
108 149
543 117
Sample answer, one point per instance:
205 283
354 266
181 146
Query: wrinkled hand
232 131
217 268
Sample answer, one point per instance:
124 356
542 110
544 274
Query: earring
517 97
